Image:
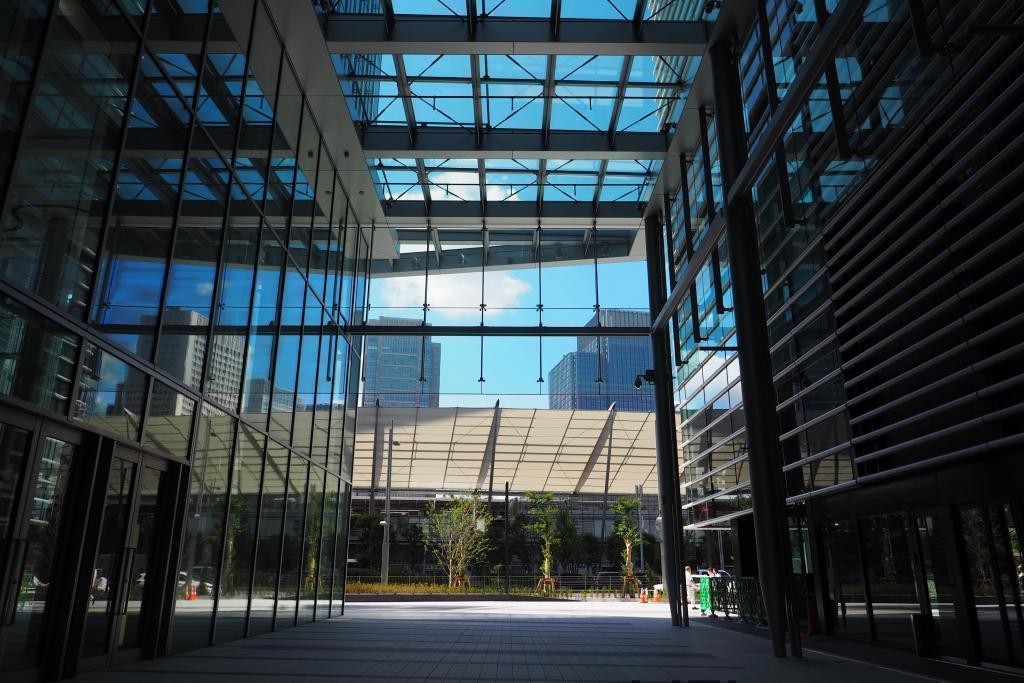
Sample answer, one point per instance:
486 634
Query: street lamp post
640 521
385 548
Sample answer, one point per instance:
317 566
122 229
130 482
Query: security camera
638 383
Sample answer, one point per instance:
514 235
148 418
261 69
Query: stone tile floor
498 641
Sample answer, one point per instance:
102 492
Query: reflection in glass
59 192
204 533
23 638
105 580
311 563
111 394
36 357
292 544
243 512
143 570
169 421
268 545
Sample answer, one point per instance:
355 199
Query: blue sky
511 364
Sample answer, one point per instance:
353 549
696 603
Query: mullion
176 218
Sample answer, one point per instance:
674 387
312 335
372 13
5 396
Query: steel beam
595 455
391 142
525 212
759 405
372 34
378 454
665 431
489 331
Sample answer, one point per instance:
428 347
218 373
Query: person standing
690 599
705 594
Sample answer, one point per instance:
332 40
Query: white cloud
461 185
455 296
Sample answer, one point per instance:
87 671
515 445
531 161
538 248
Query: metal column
385 550
759 404
665 428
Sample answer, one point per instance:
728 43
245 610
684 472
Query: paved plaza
498 641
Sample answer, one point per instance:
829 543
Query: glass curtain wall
842 344
177 262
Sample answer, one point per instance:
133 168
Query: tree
520 543
412 535
455 535
568 549
545 525
366 526
590 550
625 510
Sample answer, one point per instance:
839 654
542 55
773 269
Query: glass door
36 462
126 575
996 565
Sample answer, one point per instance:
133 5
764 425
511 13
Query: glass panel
169 421
37 357
846 582
243 513
187 305
111 394
22 34
256 398
14 443
341 549
992 544
144 554
49 234
268 545
311 553
105 575
132 277
203 534
23 638
328 539
231 321
891 577
291 547
934 548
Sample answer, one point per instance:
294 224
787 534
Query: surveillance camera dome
638 383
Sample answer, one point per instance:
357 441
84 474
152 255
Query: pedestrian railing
740 597
572 583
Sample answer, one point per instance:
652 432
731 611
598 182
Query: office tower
602 370
401 370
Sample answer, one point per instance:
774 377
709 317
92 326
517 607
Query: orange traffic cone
657 596
643 596
192 594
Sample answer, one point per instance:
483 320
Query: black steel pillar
759 404
508 557
665 428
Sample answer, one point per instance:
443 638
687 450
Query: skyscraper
401 370
602 369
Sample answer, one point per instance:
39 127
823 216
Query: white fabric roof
563 451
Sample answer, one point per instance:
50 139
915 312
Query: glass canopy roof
501 180
548 126
587 92
666 10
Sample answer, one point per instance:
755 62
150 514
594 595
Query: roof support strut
487 465
599 445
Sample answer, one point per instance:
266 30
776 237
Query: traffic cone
657 596
643 596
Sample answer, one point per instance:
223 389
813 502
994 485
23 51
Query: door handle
12 580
